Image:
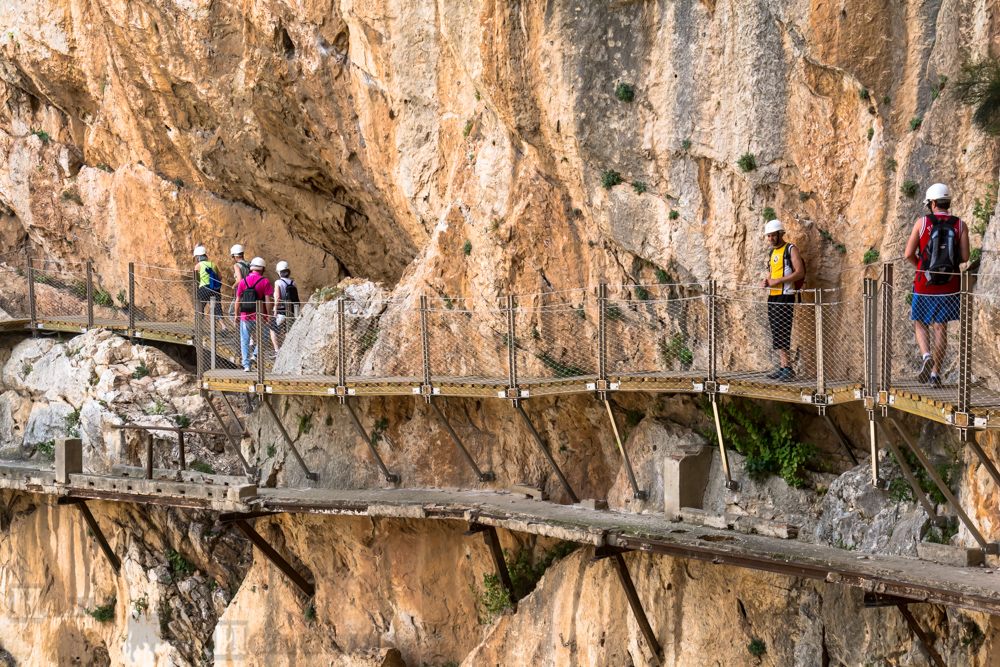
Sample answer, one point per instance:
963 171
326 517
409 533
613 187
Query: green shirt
203 277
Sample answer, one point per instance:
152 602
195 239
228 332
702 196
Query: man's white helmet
773 226
936 192
199 250
281 266
257 263
236 250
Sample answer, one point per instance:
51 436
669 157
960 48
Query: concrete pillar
685 478
69 458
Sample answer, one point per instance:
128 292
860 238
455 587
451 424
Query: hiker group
938 245
278 301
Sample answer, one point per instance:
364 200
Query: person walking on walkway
786 273
255 287
209 283
938 243
241 269
286 296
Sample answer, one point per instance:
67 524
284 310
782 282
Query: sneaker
274 355
246 369
775 375
935 382
787 374
925 370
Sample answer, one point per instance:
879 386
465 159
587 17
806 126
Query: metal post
877 480
636 492
985 460
546 453
149 455
232 413
885 353
259 335
180 449
712 329
840 437
924 639
908 474
269 553
616 557
965 353
480 475
820 369
213 330
341 349
198 325
493 542
512 391
869 336
90 296
932 471
233 439
426 350
602 344
131 301
731 484
392 478
284 434
32 303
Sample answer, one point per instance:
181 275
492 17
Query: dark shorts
205 293
779 316
272 324
929 308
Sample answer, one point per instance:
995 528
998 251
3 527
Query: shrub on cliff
979 86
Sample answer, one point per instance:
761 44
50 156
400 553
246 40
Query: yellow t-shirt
779 269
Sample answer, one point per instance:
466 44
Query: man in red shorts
938 243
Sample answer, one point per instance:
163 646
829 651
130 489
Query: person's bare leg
922 337
274 341
940 344
783 355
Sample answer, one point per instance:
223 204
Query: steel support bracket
547 454
710 387
276 559
113 560
496 551
314 476
869 402
391 478
961 419
487 476
883 397
621 568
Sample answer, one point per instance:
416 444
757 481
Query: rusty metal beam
288 440
233 439
392 478
907 473
493 542
840 436
276 558
637 493
116 563
924 639
633 597
546 453
487 476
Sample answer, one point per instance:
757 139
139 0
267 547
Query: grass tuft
610 179
747 162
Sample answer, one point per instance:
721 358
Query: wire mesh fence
467 341
60 291
14 280
163 301
984 342
556 339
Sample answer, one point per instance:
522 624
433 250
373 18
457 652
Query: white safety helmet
773 226
257 263
199 250
236 250
936 192
281 266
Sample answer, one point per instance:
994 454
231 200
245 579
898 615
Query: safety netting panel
467 341
908 315
14 278
60 291
657 330
843 335
556 337
385 346
164 300
984 368
766 344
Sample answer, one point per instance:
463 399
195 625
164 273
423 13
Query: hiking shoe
787 375
775 375
246 369
935 382
925 370
274 355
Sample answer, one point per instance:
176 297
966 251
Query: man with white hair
786 273
938 244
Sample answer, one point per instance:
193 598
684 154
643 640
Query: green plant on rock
624 92
892 164
525 573
104 613
934 93
639 187
73 197
982 209
871 256
467 248
757 647
747 162
478 96
271 451
310 612
104 298
467 130
633 417
369 337
73 423
673 215
641 294
610 178
202 467
558 368
769 445
44 136
825 235
979 86
305 423
972 634
908 189
864 94
179 564
46 449
769 214
675 350
686 145
324 294
493 601
378 430
140 371
663 277
613 312
157 407
182 420
166 615
915 123
871 133
803 196
885 99
140 605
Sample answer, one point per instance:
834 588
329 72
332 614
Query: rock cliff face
460 150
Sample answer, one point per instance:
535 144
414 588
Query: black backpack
939 259
291 293
249 296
